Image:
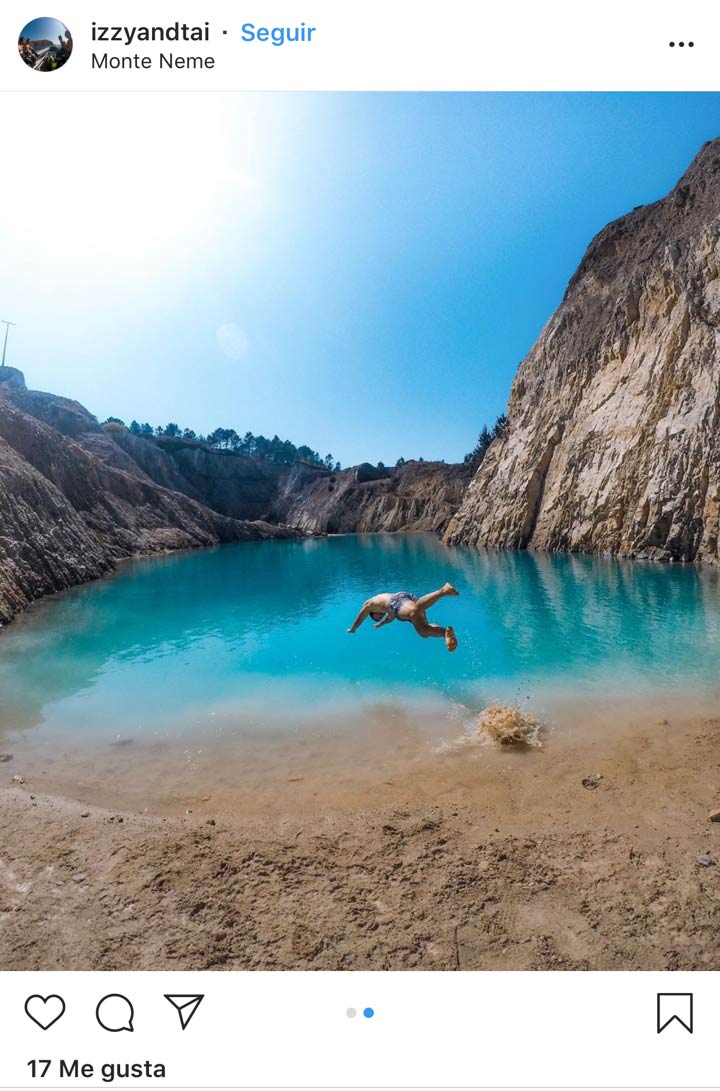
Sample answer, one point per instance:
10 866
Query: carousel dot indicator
351 1013
368 1013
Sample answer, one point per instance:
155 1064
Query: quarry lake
227 654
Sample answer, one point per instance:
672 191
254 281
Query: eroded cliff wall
614 436
72 502
417 496
242 488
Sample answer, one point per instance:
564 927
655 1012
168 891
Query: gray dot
351 1013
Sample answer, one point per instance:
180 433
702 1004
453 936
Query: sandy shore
477 860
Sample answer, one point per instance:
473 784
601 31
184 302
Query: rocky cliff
417 496
73 502
614 436
242 488
413 497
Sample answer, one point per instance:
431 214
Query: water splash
508 726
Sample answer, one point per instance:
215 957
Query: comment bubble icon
115 1012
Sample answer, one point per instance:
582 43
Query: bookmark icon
186 1004
674 1007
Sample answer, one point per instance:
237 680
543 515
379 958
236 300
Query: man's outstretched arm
361 616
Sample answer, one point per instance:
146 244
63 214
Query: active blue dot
368 1013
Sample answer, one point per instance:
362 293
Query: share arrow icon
186 1004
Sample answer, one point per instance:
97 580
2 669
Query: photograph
360 530
45 45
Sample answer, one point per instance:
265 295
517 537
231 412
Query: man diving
403 606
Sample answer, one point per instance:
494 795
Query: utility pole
7 326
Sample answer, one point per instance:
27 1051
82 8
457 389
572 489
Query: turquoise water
245 632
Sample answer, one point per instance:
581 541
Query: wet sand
594 852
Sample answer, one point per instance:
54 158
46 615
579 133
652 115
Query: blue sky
362 273
42 29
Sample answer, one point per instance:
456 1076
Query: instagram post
359 542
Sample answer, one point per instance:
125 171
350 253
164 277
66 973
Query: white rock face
614 437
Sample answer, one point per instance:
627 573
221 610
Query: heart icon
45 1010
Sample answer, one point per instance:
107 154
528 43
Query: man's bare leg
426 628
426 601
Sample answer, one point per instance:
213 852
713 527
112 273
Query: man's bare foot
450 638
448 589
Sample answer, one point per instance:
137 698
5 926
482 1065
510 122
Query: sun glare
135 181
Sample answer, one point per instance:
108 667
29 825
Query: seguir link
277 35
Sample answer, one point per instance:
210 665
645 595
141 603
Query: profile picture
45 44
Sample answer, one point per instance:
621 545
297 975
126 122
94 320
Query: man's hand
349 630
